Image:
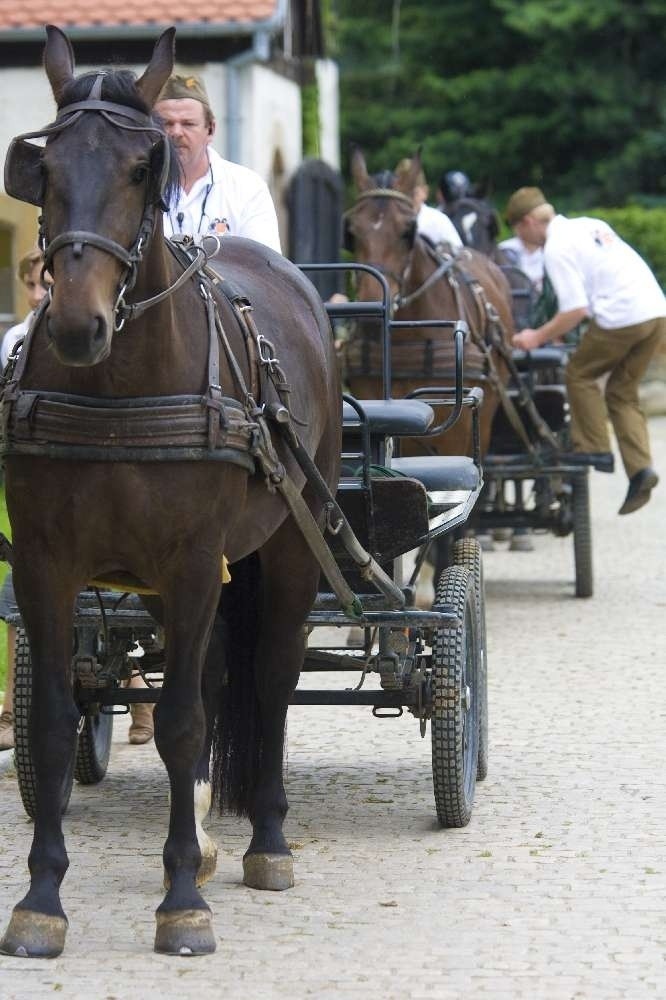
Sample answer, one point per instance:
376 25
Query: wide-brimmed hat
178 87
522 201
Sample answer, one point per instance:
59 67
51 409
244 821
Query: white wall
329 111
270 110
27 104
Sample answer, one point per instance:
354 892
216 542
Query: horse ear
159 68
406 181
359 171
58 60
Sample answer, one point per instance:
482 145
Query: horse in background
425 283
151 453
478 225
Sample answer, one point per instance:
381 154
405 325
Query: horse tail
237 739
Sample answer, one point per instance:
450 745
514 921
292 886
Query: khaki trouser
624 355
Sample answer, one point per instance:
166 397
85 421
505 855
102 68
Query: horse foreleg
38 924
184 921
212 681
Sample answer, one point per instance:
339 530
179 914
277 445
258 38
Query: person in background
434 225
216 196
526 256
451 187
596 274
30 274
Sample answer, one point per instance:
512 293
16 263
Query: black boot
640 488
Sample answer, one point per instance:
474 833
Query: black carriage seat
541 358
542 373
448 479
389 417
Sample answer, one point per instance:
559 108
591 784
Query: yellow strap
129 583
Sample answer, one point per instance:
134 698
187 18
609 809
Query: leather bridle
129 119
444 264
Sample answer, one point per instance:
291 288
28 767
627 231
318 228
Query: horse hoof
268 871
185 932
34 935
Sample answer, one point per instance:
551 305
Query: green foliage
566 95
311 123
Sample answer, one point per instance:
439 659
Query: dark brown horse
425 284
89 416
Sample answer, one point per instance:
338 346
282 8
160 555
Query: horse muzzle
79 344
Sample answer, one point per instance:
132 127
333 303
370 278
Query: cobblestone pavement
555 890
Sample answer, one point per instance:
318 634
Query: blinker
24 172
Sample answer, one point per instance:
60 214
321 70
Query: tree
567 95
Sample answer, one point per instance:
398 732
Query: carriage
431 663
532 479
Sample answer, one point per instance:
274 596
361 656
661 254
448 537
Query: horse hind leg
255 785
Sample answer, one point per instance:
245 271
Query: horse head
477 223
104 170
380 228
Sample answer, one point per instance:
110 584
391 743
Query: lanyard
180 216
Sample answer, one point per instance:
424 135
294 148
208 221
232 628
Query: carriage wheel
582 535
467 552
455 701
93 746
25 772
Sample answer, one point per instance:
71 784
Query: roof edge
184 29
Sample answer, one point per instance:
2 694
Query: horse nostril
99 336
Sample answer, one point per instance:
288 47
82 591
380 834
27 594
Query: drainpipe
260 52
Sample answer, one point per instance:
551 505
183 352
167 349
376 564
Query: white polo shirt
437 227
229 198
590 266
529 261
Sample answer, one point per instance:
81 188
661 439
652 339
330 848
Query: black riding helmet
454 184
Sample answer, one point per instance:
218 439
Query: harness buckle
267 353
120 311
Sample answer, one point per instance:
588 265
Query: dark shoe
602 461
640 488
